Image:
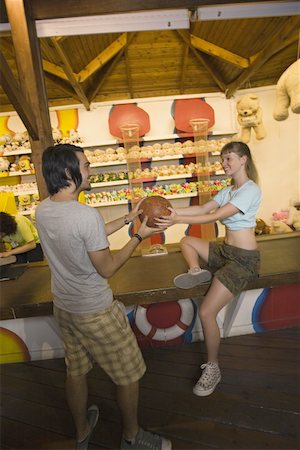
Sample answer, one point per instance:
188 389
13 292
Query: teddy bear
293 218
262 227
250 116
279 227
288 92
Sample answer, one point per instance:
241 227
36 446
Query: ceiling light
247 10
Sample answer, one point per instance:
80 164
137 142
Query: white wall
277 157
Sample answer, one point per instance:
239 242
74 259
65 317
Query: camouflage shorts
233 266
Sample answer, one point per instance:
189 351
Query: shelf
25 151
108 163
112 203
26 213
109 183
20 173
29 192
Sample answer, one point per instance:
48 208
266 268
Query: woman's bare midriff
244 238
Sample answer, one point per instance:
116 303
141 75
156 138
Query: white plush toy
293 218
288 92
250 116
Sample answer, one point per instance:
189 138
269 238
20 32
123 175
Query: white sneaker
192 278
209 379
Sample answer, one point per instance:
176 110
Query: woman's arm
197 210
218 214
18 250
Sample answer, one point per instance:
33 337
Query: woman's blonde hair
242 149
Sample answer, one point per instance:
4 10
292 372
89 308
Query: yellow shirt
26 232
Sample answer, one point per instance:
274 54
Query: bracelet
138 237
126 220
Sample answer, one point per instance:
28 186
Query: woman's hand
167 221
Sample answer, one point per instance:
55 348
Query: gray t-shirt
68 231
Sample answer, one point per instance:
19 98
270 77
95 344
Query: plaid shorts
233 266
105 338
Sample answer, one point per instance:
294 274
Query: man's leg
128 398
77 396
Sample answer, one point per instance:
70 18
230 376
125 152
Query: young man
93 325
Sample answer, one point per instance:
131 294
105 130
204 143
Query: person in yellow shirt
21 237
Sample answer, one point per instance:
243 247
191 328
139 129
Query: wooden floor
256 405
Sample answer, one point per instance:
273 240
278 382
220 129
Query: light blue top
247 199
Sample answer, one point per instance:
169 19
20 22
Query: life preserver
165 334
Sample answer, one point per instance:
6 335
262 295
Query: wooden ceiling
213 56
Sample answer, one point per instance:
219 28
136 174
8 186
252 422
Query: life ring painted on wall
169 333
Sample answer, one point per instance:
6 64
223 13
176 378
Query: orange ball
154 207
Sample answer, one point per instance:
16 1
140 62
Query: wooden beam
183 67
186 38
29 65
98 82
45 9
70 74
282 46
222 53
54 69
288 29
12 89
63 85
103 57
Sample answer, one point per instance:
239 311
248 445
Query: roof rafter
70 74
15 95
98 82
270 49
185 35
106 55
215 50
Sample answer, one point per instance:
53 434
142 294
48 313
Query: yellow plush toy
250 116
24 202
288 92
24 163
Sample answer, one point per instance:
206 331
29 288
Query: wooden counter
150 279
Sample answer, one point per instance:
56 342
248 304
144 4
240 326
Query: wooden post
31 77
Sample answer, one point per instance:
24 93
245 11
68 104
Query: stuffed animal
24 201
280 215
279 227
250 116
24 163
4 165
262 227
288 92
293 218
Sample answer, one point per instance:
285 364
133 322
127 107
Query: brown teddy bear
262 227
250 116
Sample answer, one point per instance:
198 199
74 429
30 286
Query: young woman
233 262
22 237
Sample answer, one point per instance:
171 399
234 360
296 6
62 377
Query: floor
256 405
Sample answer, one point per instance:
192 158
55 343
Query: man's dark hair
8 224
60 166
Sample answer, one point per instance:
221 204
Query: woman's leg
216 298
192 248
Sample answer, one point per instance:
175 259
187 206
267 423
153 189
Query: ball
154 207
